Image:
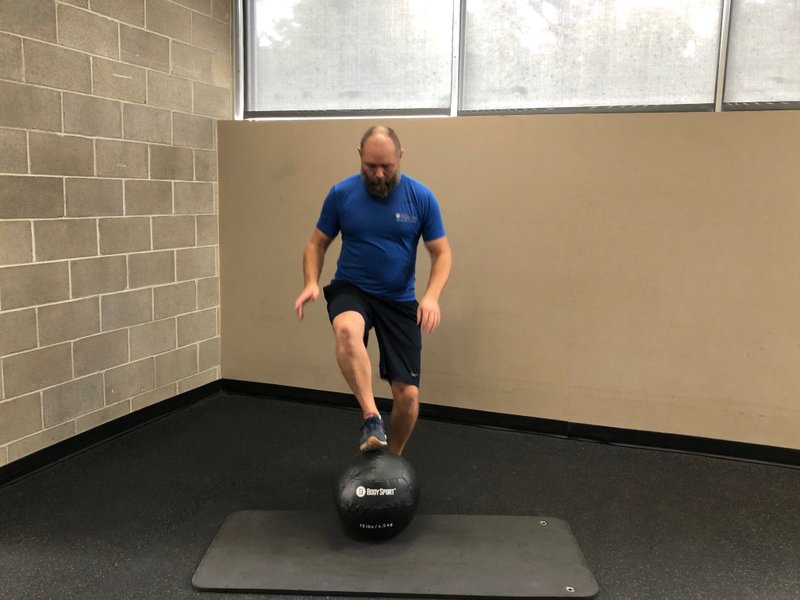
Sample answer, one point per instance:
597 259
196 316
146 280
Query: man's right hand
309 293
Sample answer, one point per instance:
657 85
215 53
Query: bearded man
381 215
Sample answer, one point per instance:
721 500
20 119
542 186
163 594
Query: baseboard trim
580 431
59 451
786 457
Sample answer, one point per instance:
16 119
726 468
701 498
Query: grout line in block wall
61 102
122 114
33 245
147 84
128 272
177 342
38 334
41 409
124 198
58 40
22 61
97 237
28 149
112 177
69 279
130 353
91 75
103 378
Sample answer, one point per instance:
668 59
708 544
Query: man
381 215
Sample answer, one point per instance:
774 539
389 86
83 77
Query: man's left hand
429 315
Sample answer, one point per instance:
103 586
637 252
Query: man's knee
348 327
405 394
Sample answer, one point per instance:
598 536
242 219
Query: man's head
380 153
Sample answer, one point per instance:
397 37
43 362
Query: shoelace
371 422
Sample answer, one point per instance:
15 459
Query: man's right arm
313 259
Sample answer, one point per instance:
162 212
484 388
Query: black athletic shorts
395 323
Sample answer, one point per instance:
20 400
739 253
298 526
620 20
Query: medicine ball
377 494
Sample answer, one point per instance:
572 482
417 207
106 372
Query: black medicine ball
377 494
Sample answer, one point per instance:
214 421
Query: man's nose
379 173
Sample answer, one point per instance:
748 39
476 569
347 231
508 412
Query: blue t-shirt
380 236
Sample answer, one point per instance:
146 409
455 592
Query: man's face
380 165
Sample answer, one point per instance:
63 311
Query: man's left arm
429 315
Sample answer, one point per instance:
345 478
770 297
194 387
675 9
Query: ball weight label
376 525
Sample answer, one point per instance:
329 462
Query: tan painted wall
638 271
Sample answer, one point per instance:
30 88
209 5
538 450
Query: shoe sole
372 443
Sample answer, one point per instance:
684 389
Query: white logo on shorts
361 491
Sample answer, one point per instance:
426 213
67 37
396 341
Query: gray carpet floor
132 517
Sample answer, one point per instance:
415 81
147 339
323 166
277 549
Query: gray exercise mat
437 555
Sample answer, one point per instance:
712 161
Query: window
575 53
763 63
449 57
349 56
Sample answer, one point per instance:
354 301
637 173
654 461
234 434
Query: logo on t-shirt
405 218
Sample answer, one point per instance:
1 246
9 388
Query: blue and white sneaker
373 436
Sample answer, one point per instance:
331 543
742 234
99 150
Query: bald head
384 132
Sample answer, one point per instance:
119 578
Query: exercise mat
437 555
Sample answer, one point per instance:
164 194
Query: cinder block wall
109 288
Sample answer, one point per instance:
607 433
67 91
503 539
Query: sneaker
372 434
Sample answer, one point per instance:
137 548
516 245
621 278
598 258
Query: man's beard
380 188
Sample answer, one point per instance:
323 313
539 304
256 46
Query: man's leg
351 354
405 409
